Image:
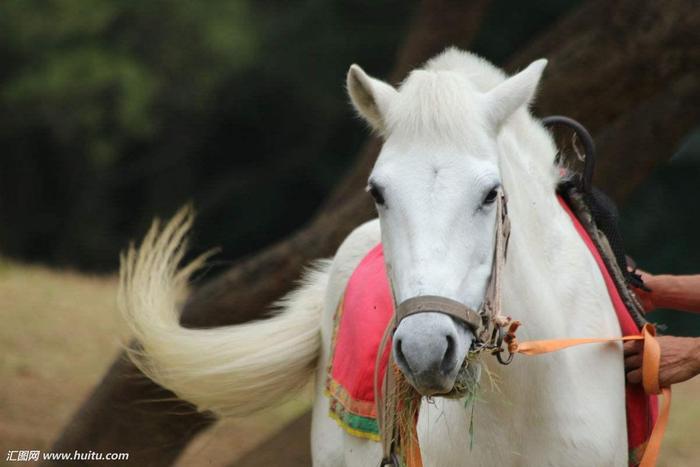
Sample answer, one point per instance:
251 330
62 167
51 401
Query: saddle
595 210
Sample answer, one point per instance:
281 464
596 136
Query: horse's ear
370 97
513 93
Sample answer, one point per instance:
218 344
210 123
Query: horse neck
550 281
551 284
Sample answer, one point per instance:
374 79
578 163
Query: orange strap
650 374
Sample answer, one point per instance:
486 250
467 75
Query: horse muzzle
431 342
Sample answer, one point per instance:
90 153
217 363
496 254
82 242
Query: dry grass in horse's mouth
467 381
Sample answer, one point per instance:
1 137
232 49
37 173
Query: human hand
644 296
680 359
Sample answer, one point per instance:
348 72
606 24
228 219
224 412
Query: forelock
483 75
435 104
440 100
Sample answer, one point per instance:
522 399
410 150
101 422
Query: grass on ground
60 331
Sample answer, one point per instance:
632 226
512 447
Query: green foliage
112 112
89 92
97 71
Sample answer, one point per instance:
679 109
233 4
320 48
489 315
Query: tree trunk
622 68
606 57
648 134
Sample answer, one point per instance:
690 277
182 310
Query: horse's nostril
399 356
448 358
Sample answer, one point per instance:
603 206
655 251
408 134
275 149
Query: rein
492 330
650 373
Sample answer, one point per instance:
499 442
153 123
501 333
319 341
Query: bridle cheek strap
492 303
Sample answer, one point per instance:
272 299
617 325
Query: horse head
435 185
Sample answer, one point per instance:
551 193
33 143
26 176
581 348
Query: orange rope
650 374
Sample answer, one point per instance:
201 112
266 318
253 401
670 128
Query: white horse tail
230 370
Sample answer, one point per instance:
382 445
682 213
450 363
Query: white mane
481 73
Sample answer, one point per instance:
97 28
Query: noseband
481 321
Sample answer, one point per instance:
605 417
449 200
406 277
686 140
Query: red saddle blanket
366 310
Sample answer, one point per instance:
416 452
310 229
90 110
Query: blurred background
114 112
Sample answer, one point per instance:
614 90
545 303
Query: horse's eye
491 197
376 193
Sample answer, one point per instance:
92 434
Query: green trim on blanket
356 425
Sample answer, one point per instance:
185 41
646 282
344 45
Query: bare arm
680 356
668 291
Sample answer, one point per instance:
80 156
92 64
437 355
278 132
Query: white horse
454 131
